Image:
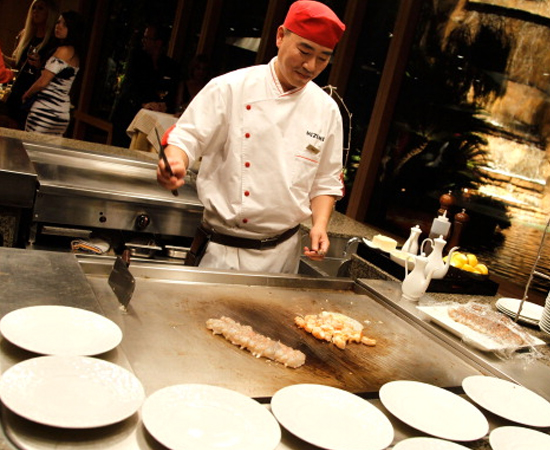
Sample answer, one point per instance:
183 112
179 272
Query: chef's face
61 29
299 60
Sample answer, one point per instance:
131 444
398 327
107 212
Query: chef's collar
278 87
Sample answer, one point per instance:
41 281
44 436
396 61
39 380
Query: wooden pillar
275 16
347 47
210 27
180 28
90 66
388 91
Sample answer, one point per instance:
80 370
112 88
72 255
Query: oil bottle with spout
436 264
411 244
416 282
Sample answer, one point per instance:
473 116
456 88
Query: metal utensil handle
166 163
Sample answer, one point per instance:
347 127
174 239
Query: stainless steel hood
86 189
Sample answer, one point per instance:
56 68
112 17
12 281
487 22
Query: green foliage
436 143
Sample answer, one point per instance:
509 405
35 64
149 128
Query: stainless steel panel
97 190
17 176
66 208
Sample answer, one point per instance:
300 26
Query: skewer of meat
259 345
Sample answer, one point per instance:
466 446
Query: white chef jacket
265 152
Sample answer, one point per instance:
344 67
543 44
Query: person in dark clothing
35 44
199 75
150 82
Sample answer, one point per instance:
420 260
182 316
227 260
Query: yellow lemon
458 260
468 268
482 269
472 259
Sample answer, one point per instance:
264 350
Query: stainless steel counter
17 176
166 342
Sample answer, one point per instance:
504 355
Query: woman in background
34 46
199 75
50 112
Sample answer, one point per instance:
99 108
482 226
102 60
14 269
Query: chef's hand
319 244
178 161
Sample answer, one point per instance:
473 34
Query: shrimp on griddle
334 327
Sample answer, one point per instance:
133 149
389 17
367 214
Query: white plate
545 327
521 319
199 416
434 410
514 438
530 312
371 244
508 400
71 391
403 258
60 330
426 443
440 315
331 418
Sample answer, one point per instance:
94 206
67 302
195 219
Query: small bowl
455 272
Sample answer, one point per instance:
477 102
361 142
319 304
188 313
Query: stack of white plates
531 313
545 319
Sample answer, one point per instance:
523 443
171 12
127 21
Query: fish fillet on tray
481 326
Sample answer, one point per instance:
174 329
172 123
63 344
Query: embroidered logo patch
313 149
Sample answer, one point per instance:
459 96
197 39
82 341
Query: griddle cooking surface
165 333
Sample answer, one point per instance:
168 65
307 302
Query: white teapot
416 282
436 265
411 244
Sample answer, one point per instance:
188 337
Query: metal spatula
122 282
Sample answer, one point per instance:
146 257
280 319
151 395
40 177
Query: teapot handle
424 243
407 258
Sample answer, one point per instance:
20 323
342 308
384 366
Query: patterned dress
50 112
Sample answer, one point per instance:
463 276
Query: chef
270 144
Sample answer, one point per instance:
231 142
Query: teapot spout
449 257
441 267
